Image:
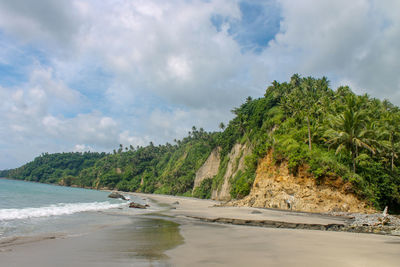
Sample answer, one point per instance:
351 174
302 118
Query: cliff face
235 163
275 187
209 169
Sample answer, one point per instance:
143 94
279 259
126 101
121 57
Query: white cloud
155 68
81 148
354 41
40 21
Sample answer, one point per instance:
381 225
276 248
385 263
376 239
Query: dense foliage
165 169
51 168
336 133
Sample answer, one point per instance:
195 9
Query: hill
340 141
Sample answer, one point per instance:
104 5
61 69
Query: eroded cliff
209 169
275 187
235 163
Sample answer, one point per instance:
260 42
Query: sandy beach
177 235
216 244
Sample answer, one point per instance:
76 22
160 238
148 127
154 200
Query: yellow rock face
275 187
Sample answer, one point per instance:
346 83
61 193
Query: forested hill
334 132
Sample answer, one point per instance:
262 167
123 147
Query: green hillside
335 132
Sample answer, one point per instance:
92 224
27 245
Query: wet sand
172 236
136 242
232 245
215 244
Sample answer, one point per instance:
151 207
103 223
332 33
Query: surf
56 210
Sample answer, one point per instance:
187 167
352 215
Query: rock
256 212
116 195
137 205
176 203
384 221
396 232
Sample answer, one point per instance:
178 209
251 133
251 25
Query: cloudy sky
79 75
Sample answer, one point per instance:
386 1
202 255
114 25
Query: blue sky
88 75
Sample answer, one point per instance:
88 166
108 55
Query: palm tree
302 100
348 130
390 132
222 126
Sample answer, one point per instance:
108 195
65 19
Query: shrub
204 189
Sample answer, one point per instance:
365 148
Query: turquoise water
21 194
28 208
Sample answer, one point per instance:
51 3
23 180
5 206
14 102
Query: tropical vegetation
303 121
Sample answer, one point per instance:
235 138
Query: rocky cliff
209 169
275 187
235 163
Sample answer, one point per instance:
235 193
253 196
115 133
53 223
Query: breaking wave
54 210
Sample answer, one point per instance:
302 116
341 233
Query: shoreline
201 238
213 243
212 211
343 226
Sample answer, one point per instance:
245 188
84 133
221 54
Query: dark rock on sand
137 205
176 203
116 195
256 212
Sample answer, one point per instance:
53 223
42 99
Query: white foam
54 210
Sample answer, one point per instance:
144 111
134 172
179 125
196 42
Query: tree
391 133
222 126
348 130
302 100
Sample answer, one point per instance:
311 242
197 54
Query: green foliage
336 133
219 178
242 182
4 173
51 168
204 189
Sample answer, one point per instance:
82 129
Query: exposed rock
382 230
235 163
176 203
116 195
255 212
275 187
375 219
137 205
209 169
274 224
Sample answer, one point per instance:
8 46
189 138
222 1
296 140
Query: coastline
226 244
201 237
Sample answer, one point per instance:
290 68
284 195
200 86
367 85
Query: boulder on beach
116 195
137 205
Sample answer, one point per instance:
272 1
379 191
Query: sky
80 75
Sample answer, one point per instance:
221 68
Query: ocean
28 208
88 228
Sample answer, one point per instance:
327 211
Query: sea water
88 228
28 208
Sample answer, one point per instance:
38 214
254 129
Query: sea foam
56 209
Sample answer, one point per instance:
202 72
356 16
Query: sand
171 236
215 244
